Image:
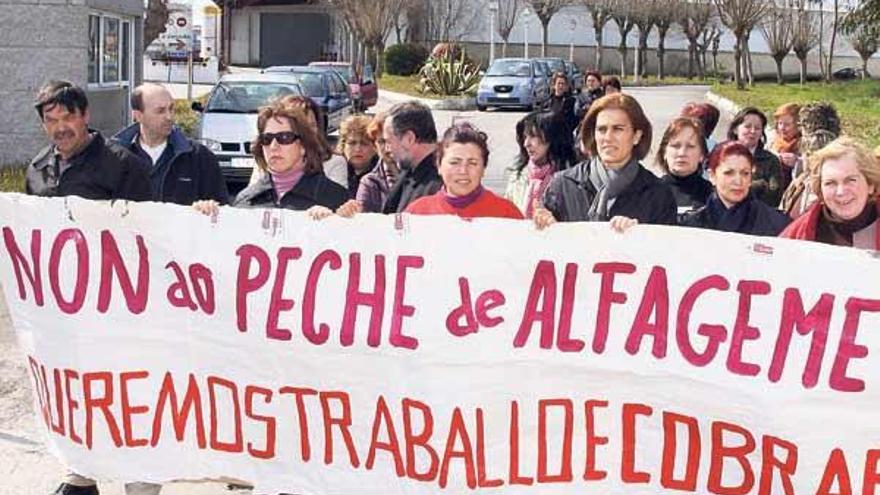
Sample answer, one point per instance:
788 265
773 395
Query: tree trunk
803 69
544 25
692 56
865 67
599 33
504 48
643 52
621 50
737 57
821 48
749 66
661 57
831 45
779 79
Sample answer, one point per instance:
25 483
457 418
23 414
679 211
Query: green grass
857 102
407 85
12 178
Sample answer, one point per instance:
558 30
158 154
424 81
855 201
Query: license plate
503 95
243 163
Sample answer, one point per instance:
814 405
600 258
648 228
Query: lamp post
526 14
572 23
493 10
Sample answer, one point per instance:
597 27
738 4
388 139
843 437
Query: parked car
555 64
513 82
361 81
545 69
846 73
326 87
575 77
228 122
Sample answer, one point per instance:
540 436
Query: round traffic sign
181 21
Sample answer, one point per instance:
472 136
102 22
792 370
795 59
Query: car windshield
555 65
247 96
345 71
310 82
519 68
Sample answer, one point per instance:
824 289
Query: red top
487 205
806 225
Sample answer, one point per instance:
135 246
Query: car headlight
212 145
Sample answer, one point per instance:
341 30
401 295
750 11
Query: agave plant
446 76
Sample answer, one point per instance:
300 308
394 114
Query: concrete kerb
459 103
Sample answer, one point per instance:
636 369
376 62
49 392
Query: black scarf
840 232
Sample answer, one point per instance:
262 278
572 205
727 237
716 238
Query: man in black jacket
182 171
80 162
411 138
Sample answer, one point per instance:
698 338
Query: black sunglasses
283 138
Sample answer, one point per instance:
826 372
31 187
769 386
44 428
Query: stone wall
48 39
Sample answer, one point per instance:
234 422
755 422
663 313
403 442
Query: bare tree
665 14
694 21
155 21
643 18
708 40
805 35
621 14
600 13
864 40
545 10
777 29
451 20
741 17
834 26
372 22
508 10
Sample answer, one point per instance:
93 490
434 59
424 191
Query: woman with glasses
289 153
358 149
747 127
462 156
374 186
612 186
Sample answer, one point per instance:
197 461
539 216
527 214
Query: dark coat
412 184
767 179
186 172
690 192
648 200
311 190
563 106
103 170
751 217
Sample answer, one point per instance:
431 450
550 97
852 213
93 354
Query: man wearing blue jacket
182 171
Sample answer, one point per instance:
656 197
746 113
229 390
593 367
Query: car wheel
481 108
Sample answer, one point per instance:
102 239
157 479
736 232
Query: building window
94 48
125 59
110 50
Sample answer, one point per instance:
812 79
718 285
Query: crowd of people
581 160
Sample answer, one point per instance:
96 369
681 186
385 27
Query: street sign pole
189 68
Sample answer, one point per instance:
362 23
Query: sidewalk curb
723 104
463 103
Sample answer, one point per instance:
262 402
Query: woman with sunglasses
288 151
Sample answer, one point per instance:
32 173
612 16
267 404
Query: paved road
25 465
661 106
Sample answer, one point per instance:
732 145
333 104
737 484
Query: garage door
292 39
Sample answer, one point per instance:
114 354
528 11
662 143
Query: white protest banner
385 355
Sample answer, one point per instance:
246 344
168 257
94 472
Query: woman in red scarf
786 145
462 156
846 179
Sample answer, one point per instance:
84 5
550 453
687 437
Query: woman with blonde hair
786 144
358 149
846 180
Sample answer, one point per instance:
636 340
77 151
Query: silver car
229 117
513 82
